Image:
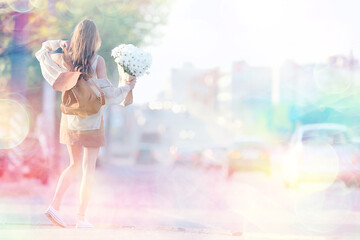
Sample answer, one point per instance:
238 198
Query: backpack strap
102 95
66 81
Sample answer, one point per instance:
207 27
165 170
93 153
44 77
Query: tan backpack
78 98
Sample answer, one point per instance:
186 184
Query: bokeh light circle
333 80
8 24
41 4
14 123
79 7
324 167
21 6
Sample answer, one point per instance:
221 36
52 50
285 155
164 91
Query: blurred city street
157 200
245 125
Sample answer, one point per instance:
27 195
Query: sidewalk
45 233
21 220
22 205
23 202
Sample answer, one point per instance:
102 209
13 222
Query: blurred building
206 95
257 100
192 86
320 92
303 84
204 89
181 81
251 95
250 85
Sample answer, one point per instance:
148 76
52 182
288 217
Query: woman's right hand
131 83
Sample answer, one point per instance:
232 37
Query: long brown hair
84 43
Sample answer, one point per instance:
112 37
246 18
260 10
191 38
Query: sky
214 33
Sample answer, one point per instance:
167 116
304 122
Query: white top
113 95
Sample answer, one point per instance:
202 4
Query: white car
321 152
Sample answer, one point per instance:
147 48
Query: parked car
214 157
146 155
151 149
27 160
248 154
187 156
321 152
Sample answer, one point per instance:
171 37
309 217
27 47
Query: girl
83 136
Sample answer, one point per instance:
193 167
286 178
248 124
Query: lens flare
39 3
332 80
14 123
319 167
20 5
8 24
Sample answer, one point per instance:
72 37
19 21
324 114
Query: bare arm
113 95
101 68
101 72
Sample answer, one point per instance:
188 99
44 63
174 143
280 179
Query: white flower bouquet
132 62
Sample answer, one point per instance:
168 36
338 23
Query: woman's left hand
64 44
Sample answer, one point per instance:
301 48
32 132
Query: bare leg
67 175
87 182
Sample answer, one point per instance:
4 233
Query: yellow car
249 154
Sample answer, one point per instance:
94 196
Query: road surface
179 200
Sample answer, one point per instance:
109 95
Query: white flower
135 59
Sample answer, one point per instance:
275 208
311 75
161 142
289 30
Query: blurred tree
126 21
25 24
137 21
